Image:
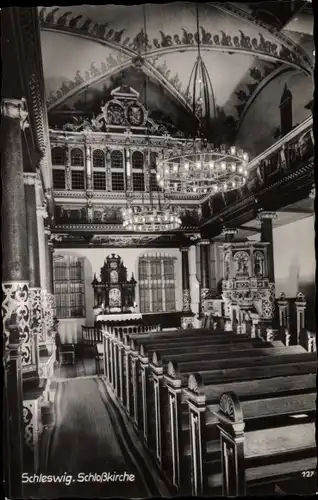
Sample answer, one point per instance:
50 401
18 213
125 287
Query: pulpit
246 282
114 293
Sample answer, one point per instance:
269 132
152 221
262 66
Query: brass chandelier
200 168
152 217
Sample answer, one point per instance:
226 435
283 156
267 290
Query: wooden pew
175 401
183 352
111 345
160 402
260 441
138 365
198 420
132 366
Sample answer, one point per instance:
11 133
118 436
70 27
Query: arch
98 158
77 157
58 155
116 159
137 159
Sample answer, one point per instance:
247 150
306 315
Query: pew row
199 418
262 440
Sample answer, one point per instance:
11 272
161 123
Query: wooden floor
89 437
85 364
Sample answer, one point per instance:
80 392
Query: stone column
204 270
88 168
15 265
186 297
48 259
34 261
13 412
266 219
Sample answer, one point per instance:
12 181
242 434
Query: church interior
158 250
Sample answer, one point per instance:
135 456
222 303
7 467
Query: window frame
153 284
67 290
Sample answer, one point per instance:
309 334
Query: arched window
99 172
58 156
157 283
98 159
138 177
77 158
116 159
117 166
137 160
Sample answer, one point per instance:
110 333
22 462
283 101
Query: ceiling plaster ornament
283 49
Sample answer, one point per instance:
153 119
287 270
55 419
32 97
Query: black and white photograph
158 250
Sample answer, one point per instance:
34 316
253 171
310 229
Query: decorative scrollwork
28 424
16 301
230 407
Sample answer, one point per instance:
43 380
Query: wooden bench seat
220 378
268 451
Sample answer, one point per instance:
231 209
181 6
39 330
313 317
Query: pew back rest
279 405
226 336
269 385
243 358
258 372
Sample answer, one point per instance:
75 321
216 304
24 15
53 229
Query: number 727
307 473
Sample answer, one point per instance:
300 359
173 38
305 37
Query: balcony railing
287 153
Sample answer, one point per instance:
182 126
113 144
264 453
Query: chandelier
200 168
150 217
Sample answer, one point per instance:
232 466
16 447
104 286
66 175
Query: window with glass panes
117 171
157 284
58 178
138 176
58 164
77 169
99 170
68 275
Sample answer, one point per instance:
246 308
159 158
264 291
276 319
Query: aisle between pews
88 438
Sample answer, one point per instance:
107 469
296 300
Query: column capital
266 214
229 231
203 242
29 178
41 210
16 109
312 193
184 249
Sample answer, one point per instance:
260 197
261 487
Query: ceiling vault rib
274 74
235 11
179 48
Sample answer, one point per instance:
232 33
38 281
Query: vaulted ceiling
251 52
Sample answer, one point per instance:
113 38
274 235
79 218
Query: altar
119 317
